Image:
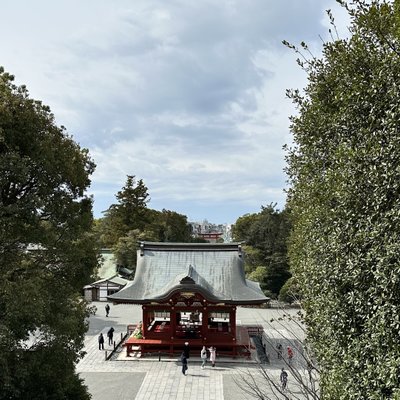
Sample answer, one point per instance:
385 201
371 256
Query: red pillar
232 321
144 321
204 325
172 321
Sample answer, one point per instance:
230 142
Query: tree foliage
46 252
162 226
130 220
290 291
170 226
129 213
125 250
345 200
265 234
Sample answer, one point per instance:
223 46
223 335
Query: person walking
107 307
283 379
213 355
101 341
186 350
110 335
184 363
279 350
203 356
290 355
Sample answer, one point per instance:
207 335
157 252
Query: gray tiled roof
116 280
216 270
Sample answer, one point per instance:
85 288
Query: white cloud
188 95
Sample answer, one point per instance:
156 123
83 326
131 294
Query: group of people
284 374
110 335
203 355
279 351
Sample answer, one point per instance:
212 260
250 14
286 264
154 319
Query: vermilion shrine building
189 293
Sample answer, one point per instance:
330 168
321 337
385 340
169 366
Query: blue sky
188 95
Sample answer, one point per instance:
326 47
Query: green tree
130 221
164 226
170 226
128 214
131 210
46 252
290 291
265 234
242 227
125 250
345 199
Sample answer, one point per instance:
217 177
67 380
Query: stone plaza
161 377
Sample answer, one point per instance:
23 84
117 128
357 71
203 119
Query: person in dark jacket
107 307
284 379
186 350
101 342
110 335
184 363
279 351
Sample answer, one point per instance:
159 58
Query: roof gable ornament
188 278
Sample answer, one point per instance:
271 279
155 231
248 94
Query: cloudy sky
188 95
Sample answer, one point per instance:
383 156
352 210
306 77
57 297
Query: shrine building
189 293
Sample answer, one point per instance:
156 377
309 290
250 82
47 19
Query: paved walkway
147 379
158 379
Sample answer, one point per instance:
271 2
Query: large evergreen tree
131 210
265 235
130 220
345 201
46 253
128 214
